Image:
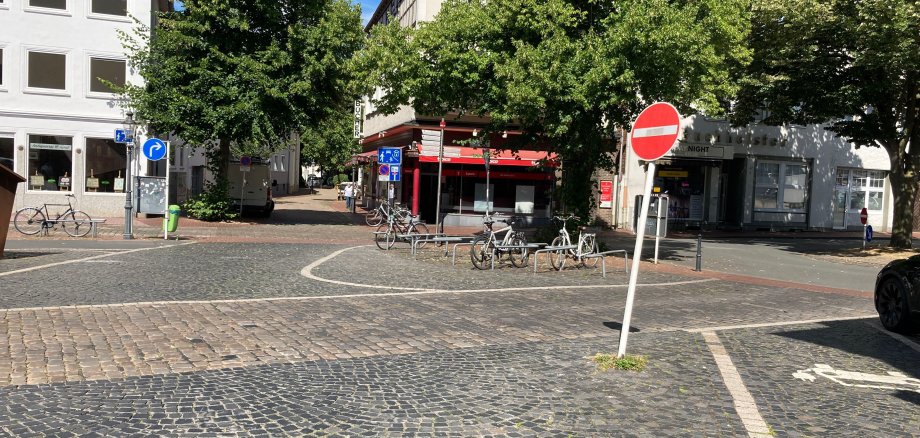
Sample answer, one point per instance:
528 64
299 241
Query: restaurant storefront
519 182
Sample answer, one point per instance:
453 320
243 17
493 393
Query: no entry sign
655 131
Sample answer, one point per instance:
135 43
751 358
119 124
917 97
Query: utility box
9 181
657 210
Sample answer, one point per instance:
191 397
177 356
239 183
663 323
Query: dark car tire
892 305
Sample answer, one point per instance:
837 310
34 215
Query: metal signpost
127 135
653 135
437 208
864 218
390 160
155 150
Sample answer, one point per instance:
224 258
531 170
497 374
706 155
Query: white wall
75 111
826 151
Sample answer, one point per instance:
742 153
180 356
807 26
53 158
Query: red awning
468 155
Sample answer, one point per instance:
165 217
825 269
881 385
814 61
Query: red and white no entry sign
864 216
655 131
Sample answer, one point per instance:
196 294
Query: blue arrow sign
154 149
868 233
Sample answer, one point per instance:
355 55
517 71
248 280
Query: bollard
699 252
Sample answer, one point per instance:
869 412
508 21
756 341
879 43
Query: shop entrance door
854 190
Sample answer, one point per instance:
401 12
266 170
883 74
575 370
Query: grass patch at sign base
629 362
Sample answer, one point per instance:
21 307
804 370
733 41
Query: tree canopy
568 73
853 65
331 144
250 72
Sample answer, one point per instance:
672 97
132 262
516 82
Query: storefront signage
50 146
702 150
358 108
673 173
728 138
606 194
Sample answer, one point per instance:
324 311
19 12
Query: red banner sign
606 194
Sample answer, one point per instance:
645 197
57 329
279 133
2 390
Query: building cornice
62 116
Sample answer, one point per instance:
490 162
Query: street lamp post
486 158
130 125
437 208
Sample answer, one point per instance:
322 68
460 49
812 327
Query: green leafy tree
254 72
331 144
853 65
570 74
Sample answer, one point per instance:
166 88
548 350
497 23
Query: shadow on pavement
618 326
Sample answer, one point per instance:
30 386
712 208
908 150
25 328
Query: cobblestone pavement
306 336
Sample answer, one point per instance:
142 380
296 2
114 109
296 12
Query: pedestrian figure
349 194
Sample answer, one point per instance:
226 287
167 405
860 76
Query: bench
93 226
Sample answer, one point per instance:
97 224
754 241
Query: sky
367 9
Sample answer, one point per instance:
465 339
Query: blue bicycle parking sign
389 155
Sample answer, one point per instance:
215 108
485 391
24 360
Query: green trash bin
172 221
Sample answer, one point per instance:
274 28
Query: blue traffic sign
121 136
154 149
394 173
868 233
389 155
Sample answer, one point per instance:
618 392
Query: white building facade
762 177
57 112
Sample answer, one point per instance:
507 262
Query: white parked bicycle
586 246
483 246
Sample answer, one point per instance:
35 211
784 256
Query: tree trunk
904 189
223 163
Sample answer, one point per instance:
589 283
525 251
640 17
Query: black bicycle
32 220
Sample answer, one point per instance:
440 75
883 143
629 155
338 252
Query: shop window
50 4
780 186
105 165
110 7
104 71
6 152
50 161
876 179
47 70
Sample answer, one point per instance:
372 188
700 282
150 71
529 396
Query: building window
50 160
6 152
867 188
50 4
105 165
48 70
105 71
110 7
780 186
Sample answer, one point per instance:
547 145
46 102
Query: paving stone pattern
102 347
524 389
767 359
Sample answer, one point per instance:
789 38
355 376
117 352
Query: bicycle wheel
557 258
392 235
418 228
518 256
380 236
481 252
373 218
77 223
588 246
29 221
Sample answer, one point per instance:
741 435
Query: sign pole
657 228
637 255
166 204
437 209
654 133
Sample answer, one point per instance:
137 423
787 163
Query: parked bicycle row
395 224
